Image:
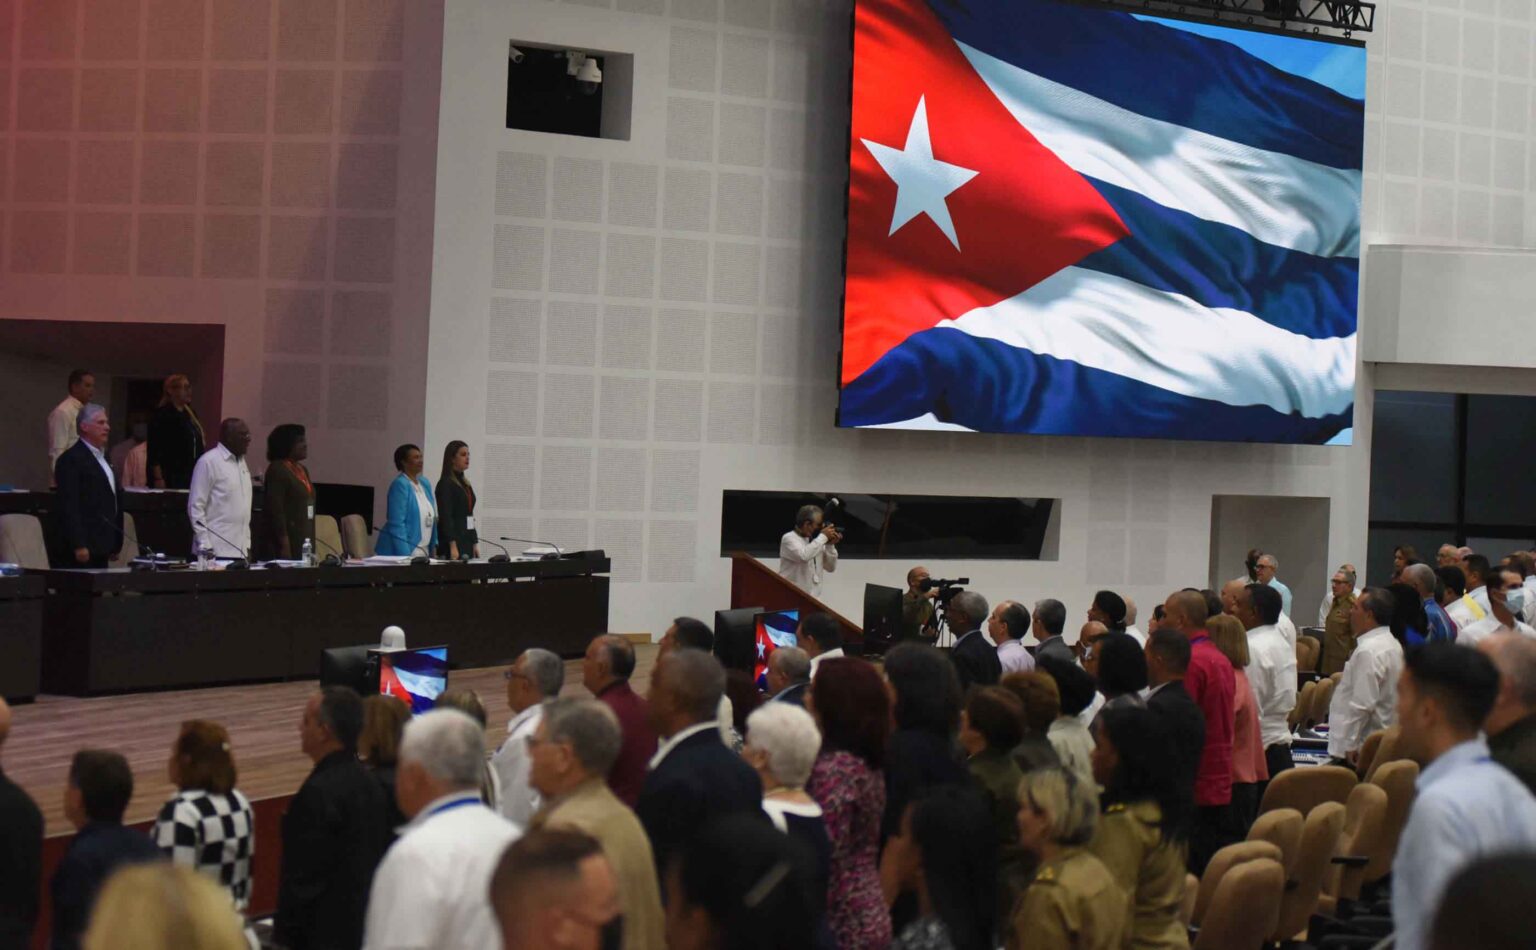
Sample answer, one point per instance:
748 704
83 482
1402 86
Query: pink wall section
257 164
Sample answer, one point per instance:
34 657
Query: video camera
947 587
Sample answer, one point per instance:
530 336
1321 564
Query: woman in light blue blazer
410 521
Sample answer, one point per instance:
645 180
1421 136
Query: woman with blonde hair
176 440
1249 768
155 906
208 825
1074 902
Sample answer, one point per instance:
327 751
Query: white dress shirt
1469 635
430 892
1472 607
425 511
1272 674
511 764
1091 711
804 561
1287 628
1140 637
106 467
831 654
220 498
1366 697
61 429
1013 658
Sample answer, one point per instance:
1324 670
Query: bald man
219 502
21 854
1212 684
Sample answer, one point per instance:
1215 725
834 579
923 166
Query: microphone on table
416 561
334 559
144 549
543 557
236 564
501 558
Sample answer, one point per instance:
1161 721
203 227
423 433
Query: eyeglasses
514 675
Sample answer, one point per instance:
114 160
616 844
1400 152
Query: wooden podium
755 584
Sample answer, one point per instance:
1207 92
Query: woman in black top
176 438
456 535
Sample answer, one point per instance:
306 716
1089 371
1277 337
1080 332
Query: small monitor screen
417 677
774 630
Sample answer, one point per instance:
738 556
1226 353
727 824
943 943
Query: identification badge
469 523
311 514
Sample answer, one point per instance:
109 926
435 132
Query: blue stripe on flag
1221 266
1167 74
992 387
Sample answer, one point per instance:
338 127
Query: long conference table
117 630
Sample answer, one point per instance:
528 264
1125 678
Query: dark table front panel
21 636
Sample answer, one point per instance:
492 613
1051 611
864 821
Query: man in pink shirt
1212 685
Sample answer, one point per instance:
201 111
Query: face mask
1514 600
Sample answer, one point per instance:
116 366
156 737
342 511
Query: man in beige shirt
574 746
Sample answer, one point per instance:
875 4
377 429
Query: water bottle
204 556
309 554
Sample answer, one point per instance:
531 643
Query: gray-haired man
535 677
90 518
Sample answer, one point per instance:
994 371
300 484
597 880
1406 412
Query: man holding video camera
809 551
917 607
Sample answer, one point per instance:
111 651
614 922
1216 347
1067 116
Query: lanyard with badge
303 476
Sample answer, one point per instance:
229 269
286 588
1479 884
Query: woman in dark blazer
289 506
456 536
176 438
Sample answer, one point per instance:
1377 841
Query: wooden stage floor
263 723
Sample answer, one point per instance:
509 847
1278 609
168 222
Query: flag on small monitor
774 630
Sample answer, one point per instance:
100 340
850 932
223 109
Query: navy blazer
793 694
88 511
700 779
98 849
1184 724
976 661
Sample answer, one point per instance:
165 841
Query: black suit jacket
794 695
21 865
1184 724
700 779
976 661
98 850
334 835
455 507
87 511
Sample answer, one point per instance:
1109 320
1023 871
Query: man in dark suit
1167 660
21 855
693 777
334 833
789 673
87 506
974 656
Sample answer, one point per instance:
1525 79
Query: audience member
1069 736
573 747
744 697
1130 624
820 636
605 671
1475 911
1038 694
1264 572
1501 617
991 727
1467 806
159 906
1211 683
692 777
1404 555
1453 584
923 751
1446 556
1213 606
1049 621
1366 697
1271 673
1249 771
1109 609
1409 624
741 885
1340 584
1511 723
1473 605
945 853
334 832
208 824
429 892
852 709
789 673
1438 627
1158 615
553 889
468 702
21 854
1007 627
1087 639
1122 671
974 656
1074 902
378 746
1517 597
535 677
1167 661
99 788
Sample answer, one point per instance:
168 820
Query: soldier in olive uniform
1074 902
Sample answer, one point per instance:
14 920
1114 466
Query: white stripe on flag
1171 342
1279 199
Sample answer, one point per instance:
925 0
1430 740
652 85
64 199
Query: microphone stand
501 558
334 559
144 549
235 564
543 557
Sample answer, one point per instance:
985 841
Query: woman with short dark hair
208 825
410 521
289 503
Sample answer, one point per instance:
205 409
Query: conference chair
1281 828
1365 817
1305 788
327 537
130 549
1222 863
1322 698
1399 780
21 542
1245 908
1303 703
1386 752
354 537
1368 751
1319 842
1308 652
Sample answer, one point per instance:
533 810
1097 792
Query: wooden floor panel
263 722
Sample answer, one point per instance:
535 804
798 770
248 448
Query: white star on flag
922 181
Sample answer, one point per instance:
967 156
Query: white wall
1448 306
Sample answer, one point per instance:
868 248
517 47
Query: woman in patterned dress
851 706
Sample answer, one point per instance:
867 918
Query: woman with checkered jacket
208 826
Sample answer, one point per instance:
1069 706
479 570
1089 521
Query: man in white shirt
1130 624
1007 626
820 637
1348 570
430 892
535 676
1447 556
1501 617
809 551
1473 605
1271 672
219 503
1366 697
61 420
1266 569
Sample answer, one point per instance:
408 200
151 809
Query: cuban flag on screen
1080 221
774 630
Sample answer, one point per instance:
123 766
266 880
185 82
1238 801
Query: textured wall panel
292 392
301 175
781 278
624 540
41 171
626 337
565 479
786 209
102 242
693 59
45 100
1151 495
745 61
39 242
111 29
743 134
781 346
174 29
703 10
788 140
684 269
48 29
374 30
671 551
732 412
519 258
304 101
109 100
241 29
578 190
1108 491
1149 557
656 7
365 250
1105 563
679 410
511 403
514 330
508 479
779 414
733 344
573 260
306 30
570 334
237 100
624 408
632 194
569 534
687 200
620 479
104 172
165 244
756 14
233 173
675 480
738 273
365 177
739 204
168 173
791 69
520 184
296 247
690 129
231 246
370 103
568 406
360 322
630 267
295 321
680 340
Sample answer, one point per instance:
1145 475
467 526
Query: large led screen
1076 220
